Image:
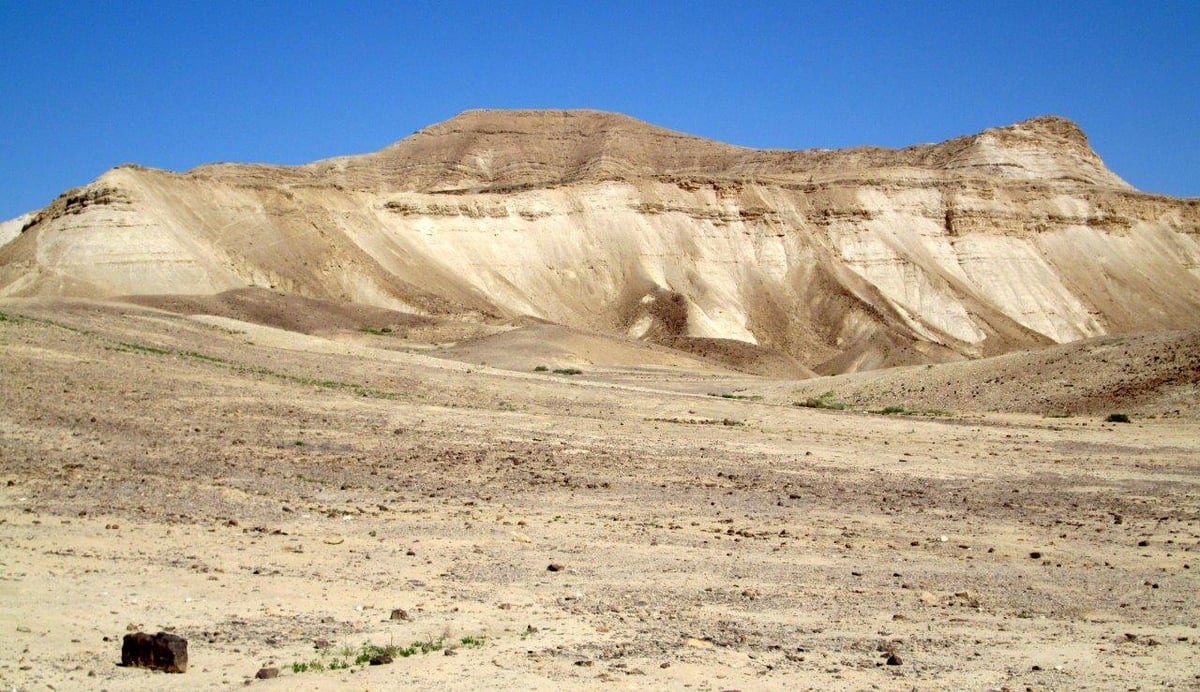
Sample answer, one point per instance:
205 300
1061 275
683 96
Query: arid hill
833 260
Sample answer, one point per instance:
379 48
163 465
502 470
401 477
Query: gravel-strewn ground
257 491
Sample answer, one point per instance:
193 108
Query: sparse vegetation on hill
825 400
379 331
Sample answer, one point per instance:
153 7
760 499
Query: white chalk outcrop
845 260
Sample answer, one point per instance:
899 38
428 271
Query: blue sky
85 86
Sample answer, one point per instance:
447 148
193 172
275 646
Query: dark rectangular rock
163 651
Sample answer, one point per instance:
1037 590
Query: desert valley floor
275 496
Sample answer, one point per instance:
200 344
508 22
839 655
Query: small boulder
163 651
267 673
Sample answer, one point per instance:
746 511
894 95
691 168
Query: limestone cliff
844 259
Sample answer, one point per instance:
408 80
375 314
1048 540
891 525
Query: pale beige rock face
852 259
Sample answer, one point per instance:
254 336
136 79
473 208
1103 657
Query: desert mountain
839 260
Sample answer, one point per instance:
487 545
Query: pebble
554 567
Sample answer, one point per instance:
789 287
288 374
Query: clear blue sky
85 86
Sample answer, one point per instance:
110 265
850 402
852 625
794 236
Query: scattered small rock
968 598
1035 555
399 614
381 659
894 660
554 567
267 673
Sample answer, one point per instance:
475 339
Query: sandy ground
258 491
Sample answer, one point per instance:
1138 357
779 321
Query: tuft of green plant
825 401
1117 418
378 331
3 317
568 371
424 647
738 397
369 651
541 368
472 642
313 666
1059 414
900 410
143 348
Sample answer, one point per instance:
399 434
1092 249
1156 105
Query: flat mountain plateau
547 399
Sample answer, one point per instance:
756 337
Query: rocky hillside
844 260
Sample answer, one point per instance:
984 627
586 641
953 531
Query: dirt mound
742 357
290 312
537 344
1147 374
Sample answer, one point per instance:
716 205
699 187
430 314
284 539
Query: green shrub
568 371
541 368
825 401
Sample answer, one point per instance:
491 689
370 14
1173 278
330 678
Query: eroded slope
844 260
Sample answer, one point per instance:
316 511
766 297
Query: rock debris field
308 503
